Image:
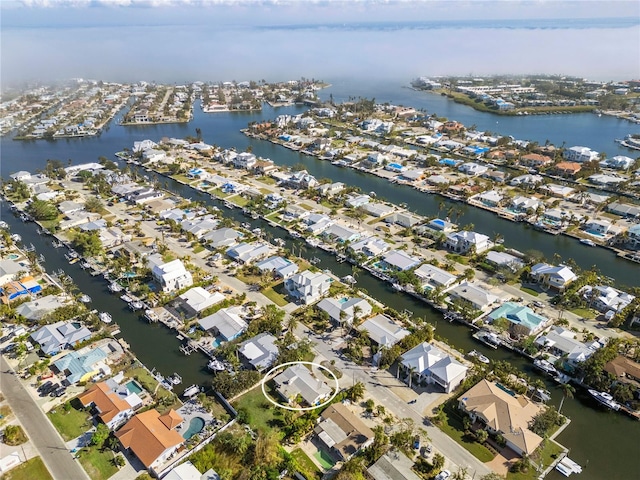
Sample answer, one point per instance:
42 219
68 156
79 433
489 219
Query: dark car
49 389
416 442
58 392
45 385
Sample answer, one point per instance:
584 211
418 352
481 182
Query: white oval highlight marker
298 409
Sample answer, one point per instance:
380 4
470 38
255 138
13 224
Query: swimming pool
133 387
195 426
13 256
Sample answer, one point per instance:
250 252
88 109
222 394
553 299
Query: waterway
599 438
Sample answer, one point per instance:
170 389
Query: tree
100 435
87 243
93 204
567 392
492 476
438 462
118 461
545 421
356 392
42 210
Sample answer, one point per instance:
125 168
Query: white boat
545 366
215 365
229 205
479 356
246 225
348 279
115 287
175 379
295 234
15 237
151 315
605 399
126 298
397 287
489 338
314 242
4 225
85 265
566 467
257 231
191 391
136 305
105 317
85 298
586 241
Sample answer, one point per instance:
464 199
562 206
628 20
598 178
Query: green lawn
239 200
306 207
97 464
548 454
267 180
457 258
263 415
307 467
453 427
529 291
71 424
584 313
198 248
33 469
265 191
274 296
148 382
219 193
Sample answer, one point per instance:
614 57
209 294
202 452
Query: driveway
43 435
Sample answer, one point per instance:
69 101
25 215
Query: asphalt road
42 434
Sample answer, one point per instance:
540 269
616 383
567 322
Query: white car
443 475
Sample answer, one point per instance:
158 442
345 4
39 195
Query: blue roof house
520 315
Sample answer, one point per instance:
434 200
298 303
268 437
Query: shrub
14 435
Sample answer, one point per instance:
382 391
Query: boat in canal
566 467
114 287
545 366
604 399
488 338
215 365
481 358
136 305
151 316
85 298
15 238
191 391
175 379
588 242
105 317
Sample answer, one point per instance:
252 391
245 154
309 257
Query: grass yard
274 296
97 464
457 258
29 470
263 415
267 180
265 191
306 207
584 313
219 193
5 414
544 456
183 178
309 469
453 427
239 201
198 248
148 382
529 291
70 424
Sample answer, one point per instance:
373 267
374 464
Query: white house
383 331
473 294
620 162
354 201
279 266
345 310
171 275
605 298
245 160
370 246
226 323
427 364
307 287
580 154
462 242
297 381
551 276
598 225
473 169
432 277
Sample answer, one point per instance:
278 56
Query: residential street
41 432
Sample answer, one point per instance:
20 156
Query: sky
216 40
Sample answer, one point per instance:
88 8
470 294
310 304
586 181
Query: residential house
341 234
393 465
222 237
317 223
605 298
355 201
526 180
567 169
535 160
619 162
370 246
473 169
503 413
427 364
81 366
330 189
503 259
607 180
526 204
248 252
342 432
378 209
196 300
9 269
624 370
279 266
404 219
199 226
227 323
68 206
260 351
345 309
152 437
113 403
562 343
298 381
580 154
551 276
399 260
301 180
599 226
491 198
245 160
626 210
440 225
170 275
523 321
307 287
474 295
465 241
384 331
36 309
60 335
186 471
433 277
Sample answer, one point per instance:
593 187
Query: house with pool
297 384
111 402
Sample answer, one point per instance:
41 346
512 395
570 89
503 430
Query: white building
171 275
428 364
462 242
307 287
551 276
345 310
580 154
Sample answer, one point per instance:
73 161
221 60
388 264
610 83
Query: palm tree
567 392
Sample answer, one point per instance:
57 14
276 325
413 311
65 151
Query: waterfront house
473 295
171 275
151 155
20 176
562 343
404 219
60 335
330 189
606 180
378 209
113 404
260 351
440 225
301 180
152 437
557 277
341 234
605 298
9 269
427 364
75 219
317 223
619 162
624 370
383 331
143 145
399 260
559 191
523 321
535 160
433 277
298 382
247 253
355 201
580 154
37 308
199 226
491 198
393 465
473 169
599 226
502 412
370 246
342 432
226 323
465 241
245 160
196 300
567 169
68 206
526 204
307 287
278 266
526 180
222 237
345 309
81 366
503 259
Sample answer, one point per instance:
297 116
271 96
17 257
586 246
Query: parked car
59 392
443 475
49 389
416 442
45 385
538 304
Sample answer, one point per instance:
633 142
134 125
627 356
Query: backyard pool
13 256
133 387
195 426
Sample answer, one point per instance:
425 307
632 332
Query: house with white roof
249 252
473 169
197 299
301 180
378 209
58 336
20 176
504 259
464 241
298 380
222 237
171 275
354 201
400 260
317 223
433 277
307 287
37 308
260 351
527 179
598 225
619 162
525 204
9 269
279 266
557 277
562 343
491 198
559 191
245 160
345 309
427 364
384 331
340 233
226 323
330 189
370 246
200 226
474 295
580 154
605 298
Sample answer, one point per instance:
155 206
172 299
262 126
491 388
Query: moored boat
191 391
604 399
479 356
85 298
586 241
105 317
545 366
115 287
215 365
